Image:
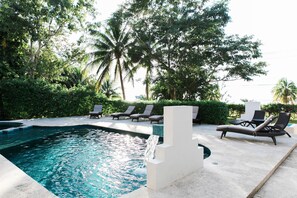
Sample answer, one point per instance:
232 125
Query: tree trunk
147 90
147 86
121 79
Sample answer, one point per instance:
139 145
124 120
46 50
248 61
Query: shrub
275 108
271 109
235 110
25 98
211 112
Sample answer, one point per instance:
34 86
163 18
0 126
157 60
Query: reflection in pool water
83 162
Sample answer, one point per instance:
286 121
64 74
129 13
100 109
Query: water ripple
84 163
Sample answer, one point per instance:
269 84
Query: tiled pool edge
16 183
262 183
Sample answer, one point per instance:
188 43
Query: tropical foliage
34 35
111 52
189 47
108 89
181 46
285 91
56 101
74 77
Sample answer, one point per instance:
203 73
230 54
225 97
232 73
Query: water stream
151 144
149 153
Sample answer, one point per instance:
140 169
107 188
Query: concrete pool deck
237 167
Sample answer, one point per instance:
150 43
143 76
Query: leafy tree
37 28
190 34
285 91
108 90
13 39
111 49
34 37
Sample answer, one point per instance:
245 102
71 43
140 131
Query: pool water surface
82 162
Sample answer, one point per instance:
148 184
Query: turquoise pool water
78 161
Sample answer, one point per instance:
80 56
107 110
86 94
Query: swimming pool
78 161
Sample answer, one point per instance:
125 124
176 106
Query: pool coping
206 136
16 183
270 174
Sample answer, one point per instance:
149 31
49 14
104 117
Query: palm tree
111 52
75 76
285 91
143 53
108 90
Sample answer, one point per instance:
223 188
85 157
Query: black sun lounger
146 114
128 112
257 119
263 130
158 118
96 112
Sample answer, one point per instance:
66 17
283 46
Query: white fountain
179 155
149 152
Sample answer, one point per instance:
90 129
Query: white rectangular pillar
180 154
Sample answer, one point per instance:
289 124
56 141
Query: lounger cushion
138 115
264 124
135 115
156 117
238 129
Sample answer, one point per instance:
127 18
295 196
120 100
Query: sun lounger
257 119
263 129
128 112
146 114
158 118
96 112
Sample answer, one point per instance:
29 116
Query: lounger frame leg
134 119
274 140
223 134
288 134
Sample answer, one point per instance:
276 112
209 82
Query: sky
271 22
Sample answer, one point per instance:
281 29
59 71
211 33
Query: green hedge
235 110
211 112
24 98
275 108
37 98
